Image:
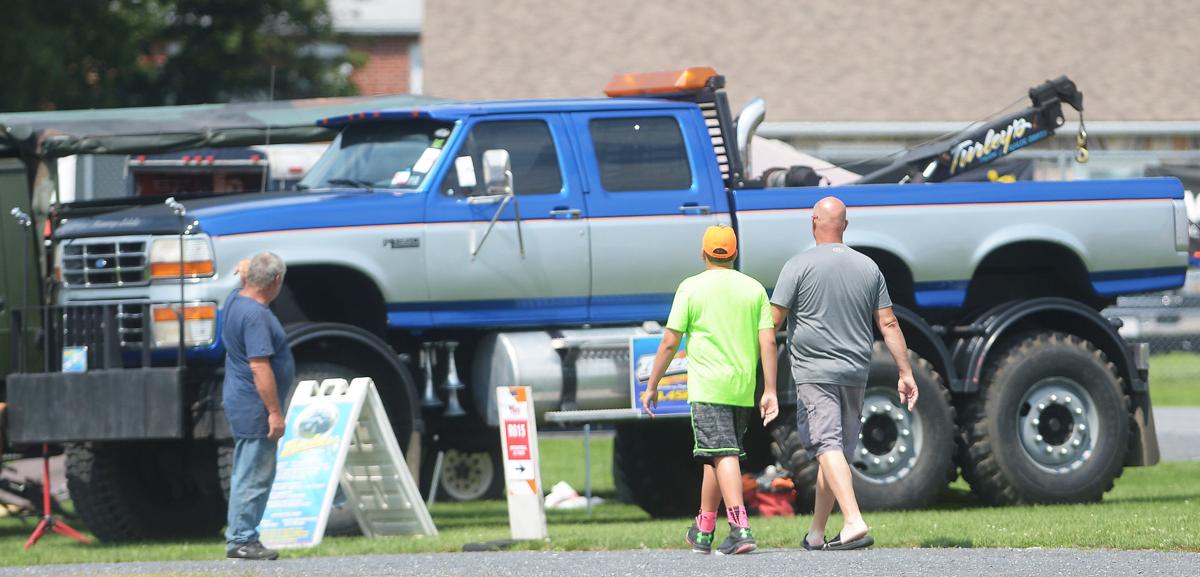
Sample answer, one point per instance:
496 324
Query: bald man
831 294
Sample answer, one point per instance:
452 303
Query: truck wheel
1051 423
472 469
790 454
141 491
654 469
904 459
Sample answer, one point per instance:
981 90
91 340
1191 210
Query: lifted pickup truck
526 242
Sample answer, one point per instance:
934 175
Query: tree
93 53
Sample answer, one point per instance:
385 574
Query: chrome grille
105 262
84 324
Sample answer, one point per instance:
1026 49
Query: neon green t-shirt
721 312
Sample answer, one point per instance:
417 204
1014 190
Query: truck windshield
380 155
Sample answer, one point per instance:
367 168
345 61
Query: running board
603 416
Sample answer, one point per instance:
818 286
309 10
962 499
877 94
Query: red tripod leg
64 529
38 532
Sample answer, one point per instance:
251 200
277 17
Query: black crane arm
948 156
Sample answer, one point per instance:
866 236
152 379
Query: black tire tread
977 457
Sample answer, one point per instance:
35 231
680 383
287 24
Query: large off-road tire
789 453
904 459
146 490
1051 423
471 470
653 467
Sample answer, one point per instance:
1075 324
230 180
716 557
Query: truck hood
158 218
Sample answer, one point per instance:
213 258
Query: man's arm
264 383
768 406
893 338
666 351
779 316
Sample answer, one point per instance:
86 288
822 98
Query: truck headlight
197 258
199 325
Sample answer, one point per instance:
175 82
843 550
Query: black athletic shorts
718 430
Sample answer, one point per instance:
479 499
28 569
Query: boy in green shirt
727 318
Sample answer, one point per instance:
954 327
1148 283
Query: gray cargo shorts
828 418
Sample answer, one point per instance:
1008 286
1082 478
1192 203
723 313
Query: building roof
831 60
377 17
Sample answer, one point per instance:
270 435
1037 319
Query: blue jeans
253 473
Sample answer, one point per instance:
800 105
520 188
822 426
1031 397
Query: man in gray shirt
831 294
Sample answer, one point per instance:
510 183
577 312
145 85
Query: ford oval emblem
101 263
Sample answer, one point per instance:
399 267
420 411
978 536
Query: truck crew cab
448 249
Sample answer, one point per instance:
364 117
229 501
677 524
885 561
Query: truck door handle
565 213
693 208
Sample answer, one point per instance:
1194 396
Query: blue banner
672 389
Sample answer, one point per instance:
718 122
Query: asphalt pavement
1178 433
793 563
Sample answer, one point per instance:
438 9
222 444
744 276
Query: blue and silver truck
450 248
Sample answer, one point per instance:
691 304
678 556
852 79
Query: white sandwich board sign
337 432
522 477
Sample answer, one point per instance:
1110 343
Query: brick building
389 33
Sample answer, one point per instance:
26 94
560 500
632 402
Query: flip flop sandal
807 547
860 543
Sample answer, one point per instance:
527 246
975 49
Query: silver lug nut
1078 410
1082 427
1067 400
892 460
1039 438
905 432
1076 442
1063 451
1041 406
876 460
1049 449
1036 422
903 449
1053 398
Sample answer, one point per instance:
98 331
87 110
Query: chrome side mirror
497 172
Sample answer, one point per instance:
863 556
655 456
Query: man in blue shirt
259 370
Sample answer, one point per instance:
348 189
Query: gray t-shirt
832 292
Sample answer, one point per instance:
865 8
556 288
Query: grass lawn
1150 508
1175 380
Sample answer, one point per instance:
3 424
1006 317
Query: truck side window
531 152
640 154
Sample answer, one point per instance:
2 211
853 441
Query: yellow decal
294 446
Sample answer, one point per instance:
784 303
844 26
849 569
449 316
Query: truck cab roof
454 111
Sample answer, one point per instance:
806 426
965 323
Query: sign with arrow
518 436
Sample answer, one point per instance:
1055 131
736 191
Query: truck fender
1024 233
365 343
980 338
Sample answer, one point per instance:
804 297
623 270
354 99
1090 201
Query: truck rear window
640 154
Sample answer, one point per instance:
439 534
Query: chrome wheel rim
466 476
890 440
1056 422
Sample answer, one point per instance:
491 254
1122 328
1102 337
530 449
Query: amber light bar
665 82
171 269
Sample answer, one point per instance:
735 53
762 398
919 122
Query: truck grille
87 325
107 262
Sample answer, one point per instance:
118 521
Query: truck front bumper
100 405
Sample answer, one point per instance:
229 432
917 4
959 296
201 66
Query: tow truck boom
946 157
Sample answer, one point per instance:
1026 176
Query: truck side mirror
497 172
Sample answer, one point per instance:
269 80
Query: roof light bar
665 82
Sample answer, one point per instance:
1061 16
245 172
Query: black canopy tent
41 135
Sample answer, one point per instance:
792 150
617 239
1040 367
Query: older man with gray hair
259 370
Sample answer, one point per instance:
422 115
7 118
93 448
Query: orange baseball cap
720 242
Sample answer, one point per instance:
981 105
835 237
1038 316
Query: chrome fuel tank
535 359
